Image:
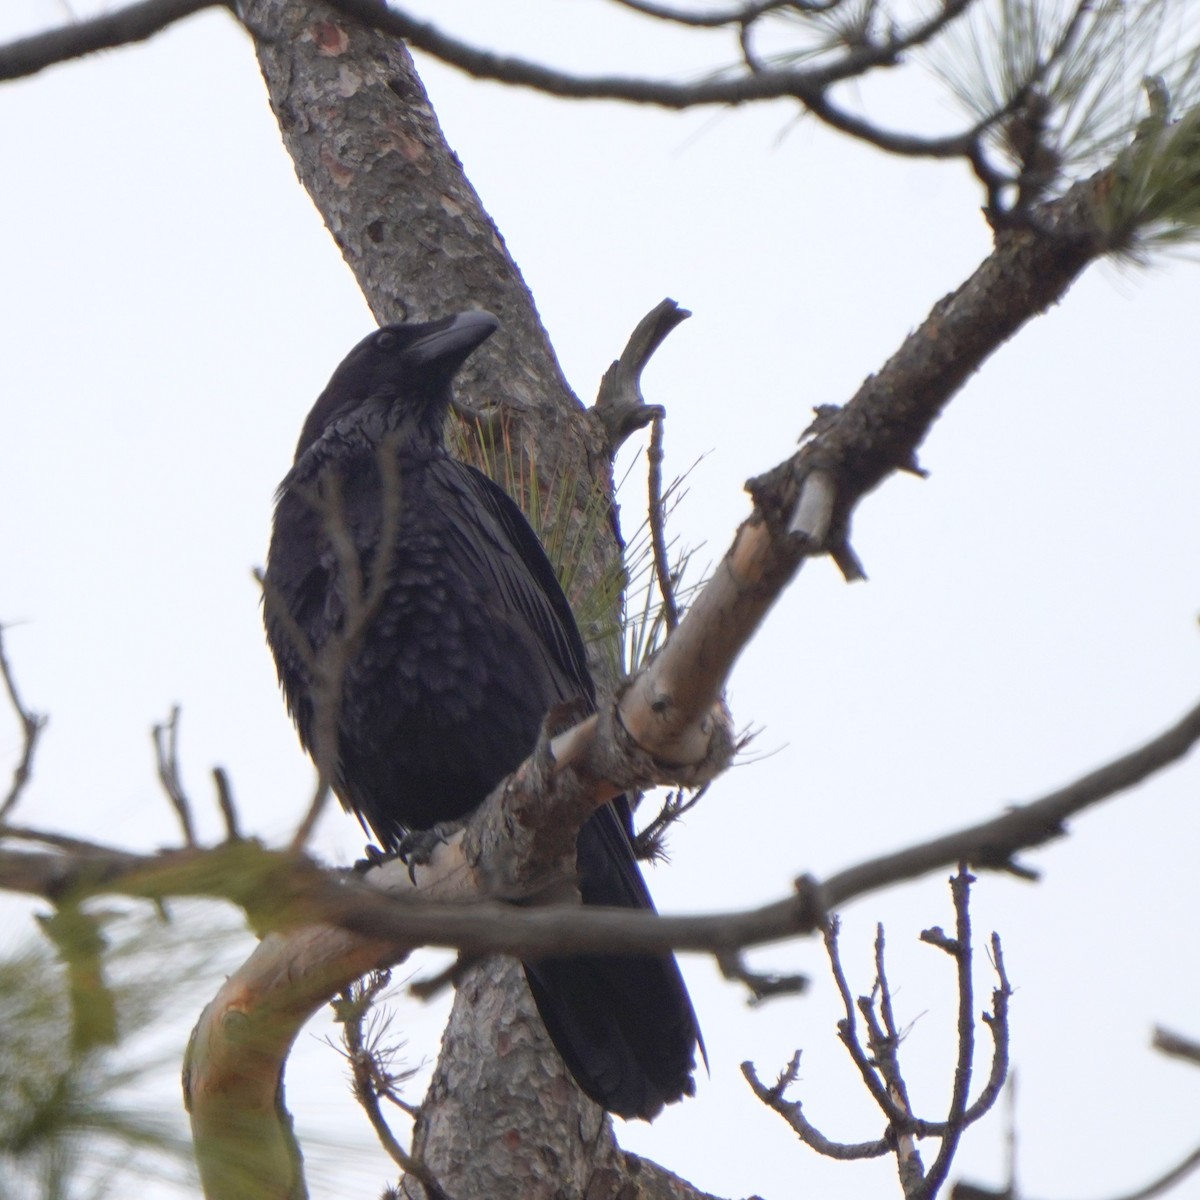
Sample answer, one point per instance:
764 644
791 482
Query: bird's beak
452 339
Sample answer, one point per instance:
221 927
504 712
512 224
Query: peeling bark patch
407 147
349 82
331 40
341 174
503 1043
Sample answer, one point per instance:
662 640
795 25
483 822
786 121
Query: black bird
454 640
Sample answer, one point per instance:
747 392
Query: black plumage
422 583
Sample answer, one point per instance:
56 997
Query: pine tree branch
135 23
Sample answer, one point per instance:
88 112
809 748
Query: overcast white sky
171 305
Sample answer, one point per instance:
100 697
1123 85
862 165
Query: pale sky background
171 306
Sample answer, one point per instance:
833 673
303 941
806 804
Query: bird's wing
522 574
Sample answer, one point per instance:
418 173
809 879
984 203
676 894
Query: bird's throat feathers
415 421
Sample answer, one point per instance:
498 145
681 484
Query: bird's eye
386 340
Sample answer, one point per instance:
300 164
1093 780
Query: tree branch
804 85
878 1061
809 86
135 23
387 907
620 406
993 844
742 14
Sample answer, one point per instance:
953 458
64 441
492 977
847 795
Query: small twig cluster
876 1055
371 1057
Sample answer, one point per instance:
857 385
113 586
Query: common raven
421 580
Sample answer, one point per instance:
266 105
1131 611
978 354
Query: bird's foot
419 845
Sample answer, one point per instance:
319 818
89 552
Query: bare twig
371 1075
132 24
655 518
77 849
31 723
225 802
956 1120
997 1023
848 1034
878 1063
1165 1182
762 986
1176 1045
792 1111
884 1044
166 756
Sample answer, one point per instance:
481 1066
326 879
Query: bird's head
405 365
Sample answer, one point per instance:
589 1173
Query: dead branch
166 759
878 1060
959 948
792 1111
225 804
620 406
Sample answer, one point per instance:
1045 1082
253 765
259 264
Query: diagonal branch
1176 1045
994 844
135 23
